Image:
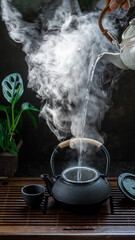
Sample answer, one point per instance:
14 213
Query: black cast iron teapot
91 189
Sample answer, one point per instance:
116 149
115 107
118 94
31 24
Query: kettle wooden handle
106 32
77 140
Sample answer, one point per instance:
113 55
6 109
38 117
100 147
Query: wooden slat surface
116 218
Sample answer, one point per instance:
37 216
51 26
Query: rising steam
60 46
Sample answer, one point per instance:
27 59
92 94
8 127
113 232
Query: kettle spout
113 58
48 181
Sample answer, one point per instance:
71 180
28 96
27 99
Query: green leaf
12 87
6 144
24 107
2 137
3 122
28 106
33 119
8 110
3 108
12 148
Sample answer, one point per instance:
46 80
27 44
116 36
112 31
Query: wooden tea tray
114 220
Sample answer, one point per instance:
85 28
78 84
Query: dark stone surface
119 124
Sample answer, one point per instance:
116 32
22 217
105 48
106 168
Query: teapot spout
48 181
113 58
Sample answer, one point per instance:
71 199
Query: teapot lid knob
132 22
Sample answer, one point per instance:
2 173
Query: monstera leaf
25 107
12 87
28 106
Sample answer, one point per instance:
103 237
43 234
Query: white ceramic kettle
125 58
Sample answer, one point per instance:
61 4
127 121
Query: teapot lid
126 182
130 30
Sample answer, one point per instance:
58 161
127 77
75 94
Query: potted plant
10 117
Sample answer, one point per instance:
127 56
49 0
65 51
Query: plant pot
8 163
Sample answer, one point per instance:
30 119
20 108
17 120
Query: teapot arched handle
78 140
106 32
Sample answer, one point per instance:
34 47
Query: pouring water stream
84 114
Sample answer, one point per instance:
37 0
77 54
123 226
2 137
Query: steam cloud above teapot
59 51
